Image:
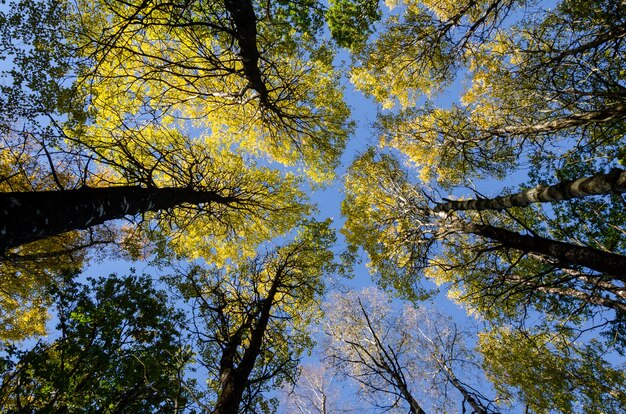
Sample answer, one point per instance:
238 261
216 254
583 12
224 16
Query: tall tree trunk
467 395
232 387
234 381
610 263
594 299
612 113
29 216
244 20
598 184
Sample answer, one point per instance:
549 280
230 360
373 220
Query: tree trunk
244 19
400 383
467 395
604 262
231 393
612 113
29 216
598 184
414 405
234 381
594 299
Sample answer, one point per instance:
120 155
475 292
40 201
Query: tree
256 76
235 72
117 349
484 264
545 93
86 207
574 377
318 391
28 272
206 93
209 121
140 150
428 41
204 209
250 320
403 358
172 114
598 184
530 87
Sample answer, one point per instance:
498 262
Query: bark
29 216
604 262
244 19
609 114
235 379
467 396
599 184
598 283
594 299
390 364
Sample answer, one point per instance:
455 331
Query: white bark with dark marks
599 184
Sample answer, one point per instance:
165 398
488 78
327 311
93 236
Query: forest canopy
191 138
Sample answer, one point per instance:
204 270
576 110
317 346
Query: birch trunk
467 396
612 113
598 184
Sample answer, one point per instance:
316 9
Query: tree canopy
190 137
542 107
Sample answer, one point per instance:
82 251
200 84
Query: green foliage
27 272
38 62
117 350
242 98
543 102
103 93
380 207
350 21
258 311
304 15
552 373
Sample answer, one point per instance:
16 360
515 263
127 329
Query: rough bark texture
29 216
610 263
244 19
598 184
234 379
